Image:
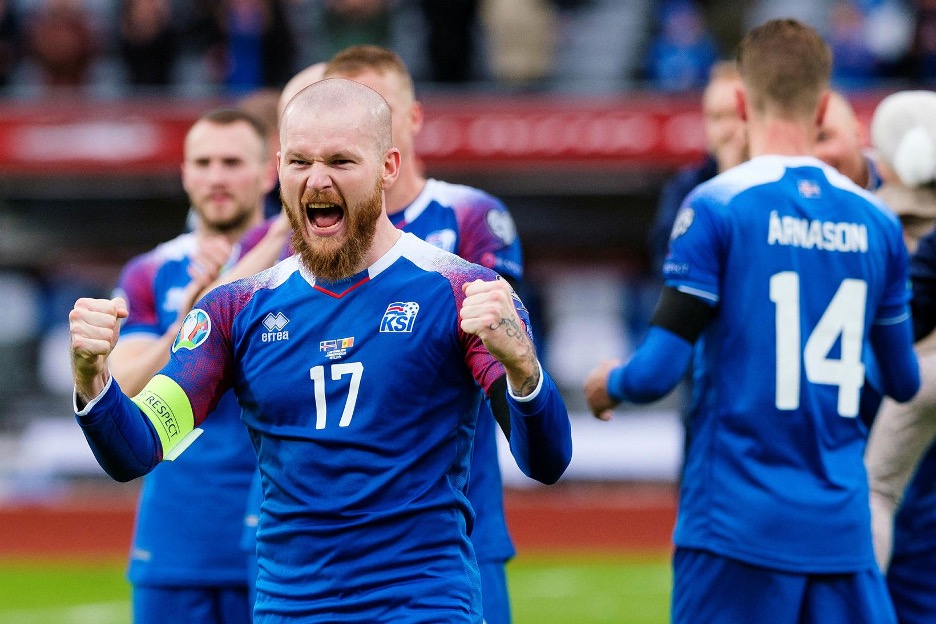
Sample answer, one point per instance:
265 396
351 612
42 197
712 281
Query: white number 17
317 373
843 318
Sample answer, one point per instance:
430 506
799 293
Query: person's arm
659 363
898 369
125 445
525 401
900 433
136 359
130 436
119 441
261 256
537 428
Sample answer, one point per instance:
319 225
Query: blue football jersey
364 515
799 263
478 227
203 493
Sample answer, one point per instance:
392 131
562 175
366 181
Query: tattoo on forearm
529 384
515 330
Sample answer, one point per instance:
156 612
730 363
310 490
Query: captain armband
165 404
682 314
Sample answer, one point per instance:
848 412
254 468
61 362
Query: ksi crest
399 317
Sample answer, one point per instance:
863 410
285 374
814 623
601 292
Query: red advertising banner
474 133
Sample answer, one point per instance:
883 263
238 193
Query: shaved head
345 102
312 73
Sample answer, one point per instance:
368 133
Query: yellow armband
166 405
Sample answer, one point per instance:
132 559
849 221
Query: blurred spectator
353 22
62 43
855 64
725 144
812 12
522 39
249 42
869 39
9 41
841 144
683 50
451 39
264 105
148 41
923 50
601 44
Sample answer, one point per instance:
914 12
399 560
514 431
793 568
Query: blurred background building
572 111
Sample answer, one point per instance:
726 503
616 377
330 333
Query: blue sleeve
540 433
671 198
655 369
898 368
923 279
122 439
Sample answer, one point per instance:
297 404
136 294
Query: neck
781 137
385 237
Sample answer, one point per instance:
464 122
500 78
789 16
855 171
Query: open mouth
324 216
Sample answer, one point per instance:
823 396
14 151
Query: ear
822 108
741 104
183 170
391 168
416 117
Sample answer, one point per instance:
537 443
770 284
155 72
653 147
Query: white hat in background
903 132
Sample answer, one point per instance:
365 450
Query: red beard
333 259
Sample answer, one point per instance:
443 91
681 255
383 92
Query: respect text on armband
163 414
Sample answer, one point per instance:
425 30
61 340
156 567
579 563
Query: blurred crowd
198 47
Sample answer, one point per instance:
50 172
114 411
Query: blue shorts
716 590
191 605
495 602
911 580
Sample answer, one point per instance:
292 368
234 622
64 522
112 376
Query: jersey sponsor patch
502 226
195 330
399 317
684 219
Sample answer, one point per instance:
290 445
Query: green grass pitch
545 589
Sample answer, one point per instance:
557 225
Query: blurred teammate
185 563
780 271
841 143
726 146
357 364
900 448
462 220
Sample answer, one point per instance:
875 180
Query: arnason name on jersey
815 234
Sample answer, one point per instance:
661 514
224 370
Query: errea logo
274 324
